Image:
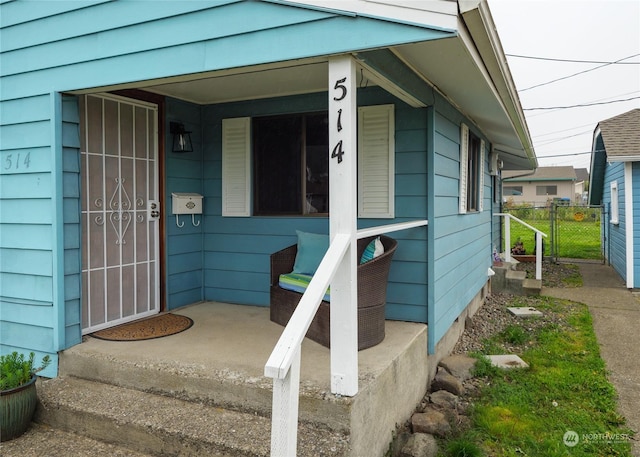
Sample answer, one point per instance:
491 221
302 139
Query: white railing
507 241
284 362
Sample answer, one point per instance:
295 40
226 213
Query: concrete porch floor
237 340
220 360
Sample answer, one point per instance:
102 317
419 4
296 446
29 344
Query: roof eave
484 38
623 158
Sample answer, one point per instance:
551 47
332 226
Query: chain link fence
573 232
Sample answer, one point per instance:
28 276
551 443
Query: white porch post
342 219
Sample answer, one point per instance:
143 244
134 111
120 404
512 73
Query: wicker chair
372 295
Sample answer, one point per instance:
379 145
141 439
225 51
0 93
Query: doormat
146 329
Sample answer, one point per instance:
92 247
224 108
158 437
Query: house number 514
17 161
337 151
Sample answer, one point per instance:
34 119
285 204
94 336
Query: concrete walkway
616 320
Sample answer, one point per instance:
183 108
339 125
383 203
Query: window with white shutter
376 152
615 204
481 173
236 171
375 168
472 156
464 165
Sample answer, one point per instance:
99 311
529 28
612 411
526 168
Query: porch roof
457 54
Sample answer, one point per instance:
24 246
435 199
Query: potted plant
18 396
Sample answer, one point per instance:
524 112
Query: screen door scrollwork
119 182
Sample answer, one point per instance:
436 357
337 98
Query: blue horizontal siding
27 286
406 294
240 297
66 46
181 263
617 250
186 281
24 110
39 314
27 336
26 261
201 26
17 13
237 250
205 40
398 312
635 176
462 243
24 236
113 15
414 184
235 261
23 162
25 211
32 134
34 185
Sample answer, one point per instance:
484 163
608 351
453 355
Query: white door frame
121 255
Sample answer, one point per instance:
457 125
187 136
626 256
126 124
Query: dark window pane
473 173
277 157
317 164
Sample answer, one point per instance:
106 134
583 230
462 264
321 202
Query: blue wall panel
462 242
237 249
635 173
70 160
616 245
65 46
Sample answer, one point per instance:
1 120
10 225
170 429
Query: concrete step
531 286
159 425
514 280
223 388
219 363
42 440
508 279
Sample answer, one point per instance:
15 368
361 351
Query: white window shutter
236 172
376 154
464 167
481 180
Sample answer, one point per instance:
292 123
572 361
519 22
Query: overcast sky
597 30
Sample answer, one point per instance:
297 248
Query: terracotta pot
17 407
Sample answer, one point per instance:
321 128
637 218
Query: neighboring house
615 183
541 187
582 185
95 100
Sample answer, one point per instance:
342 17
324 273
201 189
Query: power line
582 105
567 155
550 59
579 73
555 140
590 124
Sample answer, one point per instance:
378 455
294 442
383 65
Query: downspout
57 227
431 312
628 204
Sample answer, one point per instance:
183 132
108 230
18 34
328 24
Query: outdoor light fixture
181 138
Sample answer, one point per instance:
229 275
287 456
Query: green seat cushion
298 282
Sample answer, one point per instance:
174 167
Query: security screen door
120 211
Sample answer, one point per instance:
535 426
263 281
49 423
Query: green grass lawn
527 412
577 240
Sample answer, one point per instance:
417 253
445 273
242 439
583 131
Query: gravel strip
493 316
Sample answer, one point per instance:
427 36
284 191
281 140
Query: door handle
154 210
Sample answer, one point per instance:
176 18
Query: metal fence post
553 233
